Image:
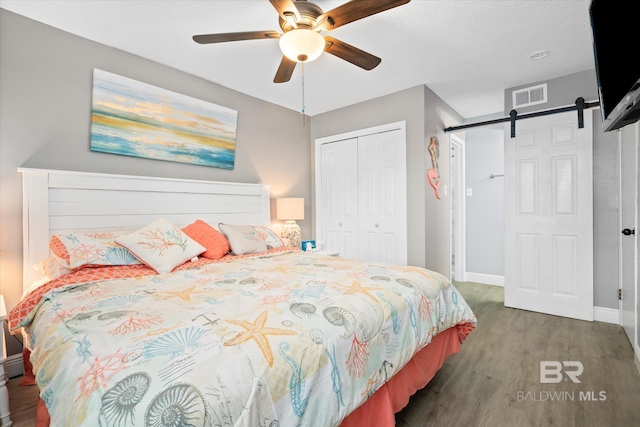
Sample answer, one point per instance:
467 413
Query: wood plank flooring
495 379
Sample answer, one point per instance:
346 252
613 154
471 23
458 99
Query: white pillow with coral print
77 249
161 245
270 238
51 268
243 239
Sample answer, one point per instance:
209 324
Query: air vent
530 96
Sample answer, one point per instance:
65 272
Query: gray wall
426 115
562 92
484 156
437 116
45 107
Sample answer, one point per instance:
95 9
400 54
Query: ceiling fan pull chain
303 106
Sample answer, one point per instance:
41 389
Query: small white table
327 253
4 394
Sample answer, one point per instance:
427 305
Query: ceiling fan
301 22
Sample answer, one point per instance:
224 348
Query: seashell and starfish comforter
280 339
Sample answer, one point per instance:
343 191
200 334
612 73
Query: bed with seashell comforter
270 336
283 338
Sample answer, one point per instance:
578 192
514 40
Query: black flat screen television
615 26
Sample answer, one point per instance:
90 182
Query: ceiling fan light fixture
291 19
302 45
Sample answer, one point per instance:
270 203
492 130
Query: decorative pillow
270 238
77 249
51 268
161 245
35 285
217 245
243 239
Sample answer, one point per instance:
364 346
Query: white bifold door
549 216
381 201
339 197
362 196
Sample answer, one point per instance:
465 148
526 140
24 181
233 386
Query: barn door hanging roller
579 106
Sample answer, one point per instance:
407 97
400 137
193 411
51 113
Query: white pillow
243 239
270 238
161 245
51 268
90 247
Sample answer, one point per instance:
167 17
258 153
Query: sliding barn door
549 216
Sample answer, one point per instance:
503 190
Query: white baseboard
606 315
486 279
14 366
600 314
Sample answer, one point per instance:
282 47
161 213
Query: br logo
551 371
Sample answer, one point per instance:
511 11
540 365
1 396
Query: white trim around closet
400 125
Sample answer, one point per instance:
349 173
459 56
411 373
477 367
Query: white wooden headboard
61 201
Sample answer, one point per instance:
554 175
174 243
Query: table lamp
290 209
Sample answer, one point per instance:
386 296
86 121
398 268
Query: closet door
382 198
339 197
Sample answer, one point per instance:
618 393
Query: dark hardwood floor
495 379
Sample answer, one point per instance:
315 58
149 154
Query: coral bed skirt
380 409
389 399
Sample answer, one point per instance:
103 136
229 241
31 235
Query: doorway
478 235
458 237
628 140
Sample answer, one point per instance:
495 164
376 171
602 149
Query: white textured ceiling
467 52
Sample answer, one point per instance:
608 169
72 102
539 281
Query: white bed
315 365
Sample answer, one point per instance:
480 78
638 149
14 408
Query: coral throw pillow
217 245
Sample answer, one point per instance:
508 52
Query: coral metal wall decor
137 119
433 175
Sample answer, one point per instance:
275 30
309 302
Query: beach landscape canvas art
137 119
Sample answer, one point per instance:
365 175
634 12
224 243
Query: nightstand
4 394
327 253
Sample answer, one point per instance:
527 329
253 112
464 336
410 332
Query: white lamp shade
302 45
290 208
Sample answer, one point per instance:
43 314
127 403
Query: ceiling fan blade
354 10
350 53
285 70
287 10
232 37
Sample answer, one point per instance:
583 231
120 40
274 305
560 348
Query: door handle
628 232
